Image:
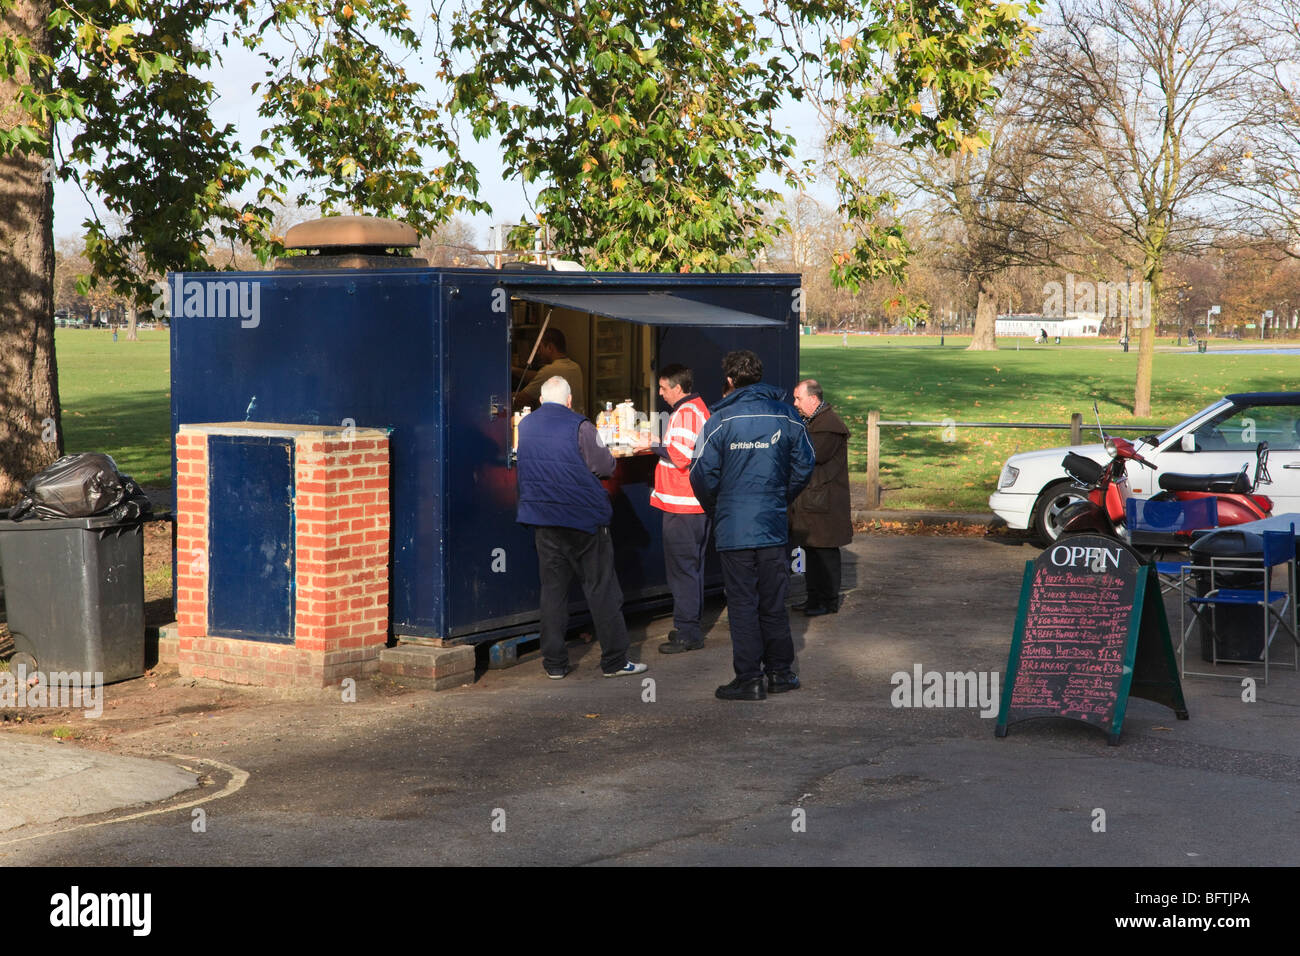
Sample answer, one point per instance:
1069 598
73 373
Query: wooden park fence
874 424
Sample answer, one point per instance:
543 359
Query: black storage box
1240 628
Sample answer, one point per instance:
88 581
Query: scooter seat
1081 469
1232 483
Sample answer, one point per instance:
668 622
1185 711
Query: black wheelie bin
74 594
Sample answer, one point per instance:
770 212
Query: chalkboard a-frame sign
1090 632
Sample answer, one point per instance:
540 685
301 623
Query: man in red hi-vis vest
686 526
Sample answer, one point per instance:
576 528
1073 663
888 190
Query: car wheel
1055 498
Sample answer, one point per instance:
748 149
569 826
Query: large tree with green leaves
350 130
140 138
124 81
645 126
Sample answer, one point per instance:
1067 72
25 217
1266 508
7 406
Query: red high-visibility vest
673 490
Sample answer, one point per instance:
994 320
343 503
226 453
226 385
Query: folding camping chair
1276 606
1167 526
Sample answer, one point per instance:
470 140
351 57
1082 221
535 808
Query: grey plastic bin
74 594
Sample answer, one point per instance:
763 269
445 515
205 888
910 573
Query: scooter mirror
1189 441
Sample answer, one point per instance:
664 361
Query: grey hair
556 389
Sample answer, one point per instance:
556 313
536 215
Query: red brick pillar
342 510
191 534
342 528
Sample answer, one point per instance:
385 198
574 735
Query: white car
1033 487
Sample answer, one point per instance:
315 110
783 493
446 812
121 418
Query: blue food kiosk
427 354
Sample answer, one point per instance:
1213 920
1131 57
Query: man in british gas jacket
753 457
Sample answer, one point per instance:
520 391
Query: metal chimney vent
351 242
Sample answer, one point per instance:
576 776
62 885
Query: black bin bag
81 486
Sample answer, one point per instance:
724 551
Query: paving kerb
692 779
45 782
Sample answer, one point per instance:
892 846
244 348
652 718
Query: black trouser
685 539
562 553
756 581
822 575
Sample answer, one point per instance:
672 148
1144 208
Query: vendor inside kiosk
609 364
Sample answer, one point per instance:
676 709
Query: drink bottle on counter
605 425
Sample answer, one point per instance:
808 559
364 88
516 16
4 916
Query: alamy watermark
922 688
74 690
210 299
76 908
1120 300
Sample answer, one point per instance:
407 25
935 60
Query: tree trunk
31 434
1152 274
132 316
984 338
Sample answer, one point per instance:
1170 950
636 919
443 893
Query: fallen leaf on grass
952 529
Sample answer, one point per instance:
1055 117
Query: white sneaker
629 668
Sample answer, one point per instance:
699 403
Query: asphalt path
521 770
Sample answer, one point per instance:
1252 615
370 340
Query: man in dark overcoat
820 522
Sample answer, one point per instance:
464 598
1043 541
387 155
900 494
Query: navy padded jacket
556 488
753 457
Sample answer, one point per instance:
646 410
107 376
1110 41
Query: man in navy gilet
561 460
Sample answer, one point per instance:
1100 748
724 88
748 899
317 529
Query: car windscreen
1169 433
1240 428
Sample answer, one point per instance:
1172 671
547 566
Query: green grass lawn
116 400
912 378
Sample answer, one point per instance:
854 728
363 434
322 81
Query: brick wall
191 534
342 521
342 510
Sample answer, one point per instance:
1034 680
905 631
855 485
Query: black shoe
559 673
782 681
738 689
674 646
816 610
799 607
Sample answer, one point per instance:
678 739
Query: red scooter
1104 511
